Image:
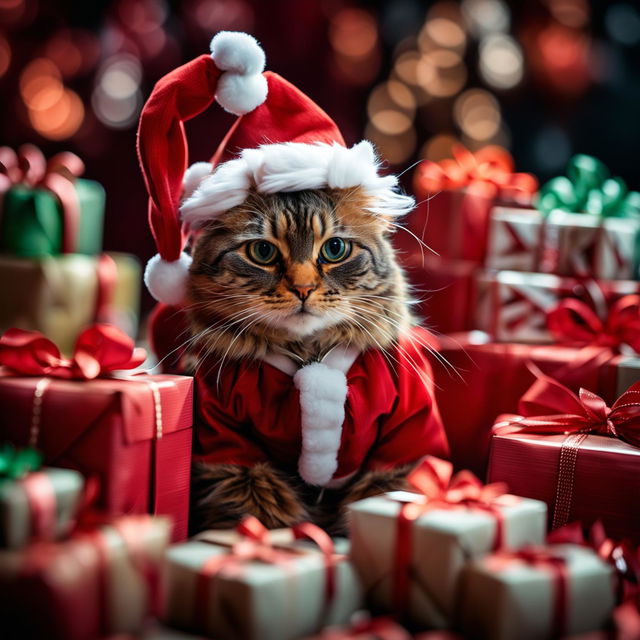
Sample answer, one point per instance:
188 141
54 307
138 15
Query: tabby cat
293 276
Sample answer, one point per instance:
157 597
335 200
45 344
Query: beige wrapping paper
515 603
442 543
15 510
260 601
57 295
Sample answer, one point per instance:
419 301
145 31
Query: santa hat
282 141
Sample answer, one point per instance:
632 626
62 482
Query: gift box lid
146 407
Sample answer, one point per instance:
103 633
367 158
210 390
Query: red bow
573 321
99 350
30 168
434 479
548 407
489 172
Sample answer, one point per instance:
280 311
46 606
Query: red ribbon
620 555
544 558
30 168
439 489
99 350
489 171
548 407
255 545
572 321
370 628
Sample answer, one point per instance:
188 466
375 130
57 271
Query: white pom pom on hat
167 281
242 87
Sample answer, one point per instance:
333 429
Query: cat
294 276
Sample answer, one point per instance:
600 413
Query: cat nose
303 291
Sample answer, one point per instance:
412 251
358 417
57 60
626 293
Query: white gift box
515 600
254 599
442 542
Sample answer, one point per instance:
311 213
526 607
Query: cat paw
223 494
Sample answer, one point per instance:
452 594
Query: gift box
563 243
102 580
548 592
228 586
409 550
476 380
574 453
444 290
456 197
61 295
47 210
41 505
133 433
513 306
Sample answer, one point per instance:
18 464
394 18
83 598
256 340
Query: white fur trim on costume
193 177
295 166
167 281
323 392
242 87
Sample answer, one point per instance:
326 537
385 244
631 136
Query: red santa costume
328 419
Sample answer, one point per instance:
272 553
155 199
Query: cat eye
334 250
262 252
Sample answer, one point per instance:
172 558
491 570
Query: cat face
295 264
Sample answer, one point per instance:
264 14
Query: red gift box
444 291
456 197
482 379
575 453
133 433
102 580
606 482
112 428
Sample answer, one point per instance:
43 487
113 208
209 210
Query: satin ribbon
548 407
439 488
542 558
57 176
573 321
620 555
489 171
99 350
588 189
18 463
255 545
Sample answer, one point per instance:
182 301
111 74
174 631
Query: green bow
588 189
17 463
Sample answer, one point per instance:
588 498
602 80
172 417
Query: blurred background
546 79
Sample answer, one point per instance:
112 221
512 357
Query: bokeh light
501 61
438 147
622 22
441 73
395 148
5 55
58 119
117 98
477 113
442 33
486 16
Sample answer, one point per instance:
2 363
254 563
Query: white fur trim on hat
242 87
323 392
295 166
193 177
167 281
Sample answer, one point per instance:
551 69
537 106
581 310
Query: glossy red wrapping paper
482 380
606 478
108 427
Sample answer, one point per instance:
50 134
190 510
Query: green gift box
33 221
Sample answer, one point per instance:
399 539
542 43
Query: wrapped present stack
54 277
536 296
